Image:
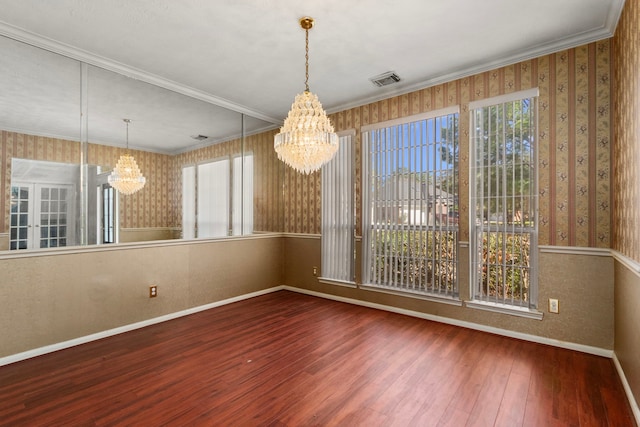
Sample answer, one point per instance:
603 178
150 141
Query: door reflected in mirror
46 209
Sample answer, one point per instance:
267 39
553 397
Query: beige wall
49 299
627 325
626 194
582 282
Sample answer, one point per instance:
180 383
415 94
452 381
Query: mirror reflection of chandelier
306 140
126 176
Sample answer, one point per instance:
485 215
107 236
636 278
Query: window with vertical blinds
503 203
338 219
410 204
217 198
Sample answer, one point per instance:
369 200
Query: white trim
501 99
348 132
574 250
127 246
463 244
410 119
336 282
631 264
302 235
505 309
143 229
627 389
126 328
463 324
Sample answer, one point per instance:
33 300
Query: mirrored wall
210 171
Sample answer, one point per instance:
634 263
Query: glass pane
24 220
23 233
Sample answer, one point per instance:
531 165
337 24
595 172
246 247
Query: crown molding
606 31
69 51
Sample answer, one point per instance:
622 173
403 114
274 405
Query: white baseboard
627 389
126 328
498 331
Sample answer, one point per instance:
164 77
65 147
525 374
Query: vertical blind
217 198
504 197
338 219
410 214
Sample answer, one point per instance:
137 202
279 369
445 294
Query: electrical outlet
554 305
315 271
153 291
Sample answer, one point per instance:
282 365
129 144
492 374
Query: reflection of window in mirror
106 211
217 198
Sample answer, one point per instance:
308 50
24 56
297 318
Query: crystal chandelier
306 140
126 177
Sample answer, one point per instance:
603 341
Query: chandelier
306 140
126 177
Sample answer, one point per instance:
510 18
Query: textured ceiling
248 57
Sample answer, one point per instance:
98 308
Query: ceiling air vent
385 79
199 137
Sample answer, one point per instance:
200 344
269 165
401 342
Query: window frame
429 292
476 226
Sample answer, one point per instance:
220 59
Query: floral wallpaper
626 150
574 167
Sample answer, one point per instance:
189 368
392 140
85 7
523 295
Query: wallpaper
29 147
626 151
159 203
153 206
267 185
574 164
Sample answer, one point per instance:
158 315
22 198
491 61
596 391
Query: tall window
217 198
410 199
338 220
504 200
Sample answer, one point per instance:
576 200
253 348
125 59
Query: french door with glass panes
41 216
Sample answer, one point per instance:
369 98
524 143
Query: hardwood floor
286 359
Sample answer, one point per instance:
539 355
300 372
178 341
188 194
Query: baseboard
627 389
469 325
126 328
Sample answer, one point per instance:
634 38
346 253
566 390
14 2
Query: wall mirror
209 171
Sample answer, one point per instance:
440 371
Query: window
338 220
217 198
503 201
410 199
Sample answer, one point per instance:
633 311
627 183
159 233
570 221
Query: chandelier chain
306 57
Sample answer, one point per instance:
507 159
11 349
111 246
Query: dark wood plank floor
286 359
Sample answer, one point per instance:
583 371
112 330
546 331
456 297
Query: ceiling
194 66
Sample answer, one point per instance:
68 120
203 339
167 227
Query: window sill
529 313
451 300
337 282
